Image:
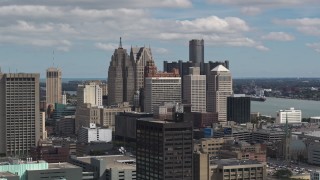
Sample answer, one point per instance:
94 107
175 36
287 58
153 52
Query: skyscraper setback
19 113
120 77
53 86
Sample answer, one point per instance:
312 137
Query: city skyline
258 38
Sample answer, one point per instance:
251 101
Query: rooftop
61 165
220 68
113 161
233 162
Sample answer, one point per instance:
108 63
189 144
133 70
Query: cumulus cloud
107 47
49 25
309 26
262 3
160 50
315 46
278 36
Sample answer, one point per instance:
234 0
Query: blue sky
273 38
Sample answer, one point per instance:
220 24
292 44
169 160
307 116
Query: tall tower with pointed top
120 77
286 150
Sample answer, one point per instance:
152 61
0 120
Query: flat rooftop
61 165
113 161
233 162
7 174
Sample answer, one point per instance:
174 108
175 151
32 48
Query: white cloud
278 36
160 50
250 10
309 26
315 46
107 47
262 2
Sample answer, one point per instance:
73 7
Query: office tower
140 56
164 150
89 93
194 90
292 115
238 108
196 51
19 113
219 88
53 86
120 77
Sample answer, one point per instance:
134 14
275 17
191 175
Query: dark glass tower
164 150
196 51
238 109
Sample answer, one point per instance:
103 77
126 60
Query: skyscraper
238 108
196 51
164 150
160 87
140 56
53 86
194 90
120 77
219 88
20 113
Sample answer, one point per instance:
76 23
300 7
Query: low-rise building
94 133
291 115
207 167
315 175
314 153
112 167
210 146
50 154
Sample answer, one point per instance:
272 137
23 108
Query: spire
120 44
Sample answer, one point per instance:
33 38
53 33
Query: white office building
194 90
161 89
89 93
93 133
293 116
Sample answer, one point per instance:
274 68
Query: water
272 105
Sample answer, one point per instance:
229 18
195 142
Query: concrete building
244 151
105 116
264 135
194 90
94 133
210 146
161 89
19 113
50 154
94 147
207 167
238 108
43 132
121 77
293 116
57 171
315 175
238 133
66 126
313 153
53 86
164 150
90 93
196 51
201 119
219 88
111 167
125 125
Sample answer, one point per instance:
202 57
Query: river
272 105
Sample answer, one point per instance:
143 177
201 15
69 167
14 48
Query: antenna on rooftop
120 44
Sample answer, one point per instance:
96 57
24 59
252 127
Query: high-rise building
196 51
238 108
121 77
219 88
19 113
194 90
164 150
53 86
140 56
90 93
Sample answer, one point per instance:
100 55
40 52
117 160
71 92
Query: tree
283 173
